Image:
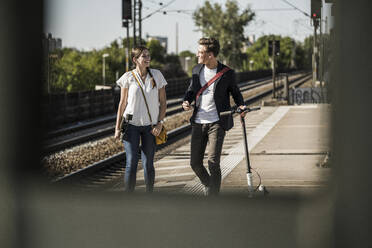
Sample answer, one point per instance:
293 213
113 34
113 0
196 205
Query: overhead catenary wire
303 25
275 9
158 10
189 11
303 12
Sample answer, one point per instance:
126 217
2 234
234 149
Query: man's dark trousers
202 134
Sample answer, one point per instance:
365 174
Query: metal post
273 68
286 87
176 38
134 23
322 61
321 51
104 68
140 21
127 51
48 65
315 51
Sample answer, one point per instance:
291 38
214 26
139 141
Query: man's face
203 55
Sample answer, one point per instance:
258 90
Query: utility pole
134 23
127 50
126 17
140 20
316 16
105 55
315 54
137 22
320 45
273 51
273 68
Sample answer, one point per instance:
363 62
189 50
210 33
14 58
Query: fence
60 109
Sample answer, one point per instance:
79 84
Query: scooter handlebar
239 110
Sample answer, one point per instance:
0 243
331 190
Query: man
207 123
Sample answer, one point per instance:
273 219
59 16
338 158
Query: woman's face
144 59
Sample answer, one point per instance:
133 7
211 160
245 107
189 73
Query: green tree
227 26
74 70
157 51
173 68
186 53
308 51
290 55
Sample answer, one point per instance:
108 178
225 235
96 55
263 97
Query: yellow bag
162 137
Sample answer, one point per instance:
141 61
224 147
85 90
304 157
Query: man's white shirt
207 112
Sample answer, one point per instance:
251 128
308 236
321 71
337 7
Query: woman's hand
157 129
117 134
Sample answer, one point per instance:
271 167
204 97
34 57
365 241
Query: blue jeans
148 147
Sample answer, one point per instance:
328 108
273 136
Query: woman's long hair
136 53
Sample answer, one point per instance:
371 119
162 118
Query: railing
307 95
60 109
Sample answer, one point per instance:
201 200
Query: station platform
289 157
286 146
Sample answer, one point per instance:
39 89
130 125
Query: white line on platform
172 176
162 161
172 167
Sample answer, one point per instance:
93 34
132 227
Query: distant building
163 41
186 63
50 44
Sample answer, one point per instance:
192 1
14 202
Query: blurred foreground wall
34 214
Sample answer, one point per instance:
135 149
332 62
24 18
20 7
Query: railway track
108 173
105 126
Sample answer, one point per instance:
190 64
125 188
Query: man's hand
186 105
243 107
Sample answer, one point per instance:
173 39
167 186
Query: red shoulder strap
218 75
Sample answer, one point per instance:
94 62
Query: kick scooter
251 189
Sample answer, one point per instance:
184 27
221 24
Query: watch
162 122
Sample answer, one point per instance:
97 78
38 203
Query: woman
140 127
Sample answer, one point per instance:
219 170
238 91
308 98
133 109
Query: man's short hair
211 44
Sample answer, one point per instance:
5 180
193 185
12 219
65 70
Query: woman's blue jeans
148 147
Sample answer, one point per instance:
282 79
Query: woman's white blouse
136 104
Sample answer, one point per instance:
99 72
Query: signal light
316 9
126 9
271 46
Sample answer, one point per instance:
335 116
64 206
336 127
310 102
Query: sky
94 24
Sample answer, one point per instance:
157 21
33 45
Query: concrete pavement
287 158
